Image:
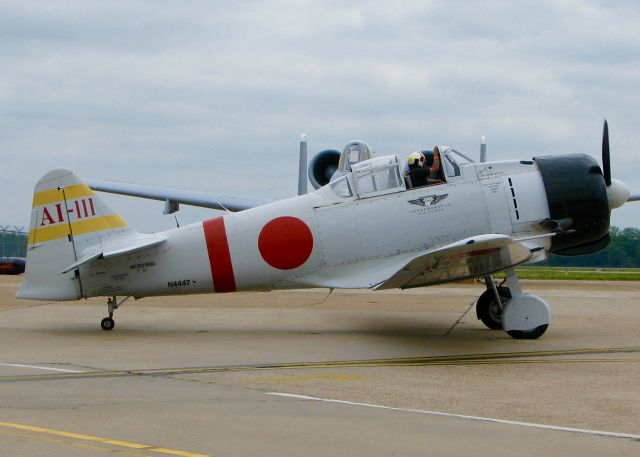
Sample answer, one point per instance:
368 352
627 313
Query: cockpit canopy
452 160
370 178
377 176
362 176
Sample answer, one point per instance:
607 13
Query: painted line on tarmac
40 368
97 439
515 362
468 359
461 416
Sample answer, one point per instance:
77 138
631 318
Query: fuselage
331 237
358 231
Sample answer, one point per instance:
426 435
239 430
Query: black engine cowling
576 191
323 166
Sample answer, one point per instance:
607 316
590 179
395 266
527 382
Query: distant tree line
623 252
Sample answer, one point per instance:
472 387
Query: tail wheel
107 323
489 310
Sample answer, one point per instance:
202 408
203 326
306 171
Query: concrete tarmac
406 373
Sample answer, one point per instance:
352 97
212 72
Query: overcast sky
213 96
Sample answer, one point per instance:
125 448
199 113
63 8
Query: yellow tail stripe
95 224
54 195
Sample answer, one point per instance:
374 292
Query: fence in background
13 241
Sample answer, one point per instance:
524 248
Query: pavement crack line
26 307
320 303
548 356
460 318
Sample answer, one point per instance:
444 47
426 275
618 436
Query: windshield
460 157
341 187
452 160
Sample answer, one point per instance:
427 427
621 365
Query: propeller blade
606 163
634 195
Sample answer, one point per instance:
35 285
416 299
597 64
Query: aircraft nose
618 193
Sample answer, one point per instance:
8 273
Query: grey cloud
197 94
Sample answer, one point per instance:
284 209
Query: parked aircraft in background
365 226
12 265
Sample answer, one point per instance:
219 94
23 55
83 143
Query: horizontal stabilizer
118 249
187 197
469 258
82 261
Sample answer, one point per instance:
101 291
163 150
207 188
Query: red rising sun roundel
285 242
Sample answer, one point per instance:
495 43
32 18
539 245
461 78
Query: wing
469 258
174 196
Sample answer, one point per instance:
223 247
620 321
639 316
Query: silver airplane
364 226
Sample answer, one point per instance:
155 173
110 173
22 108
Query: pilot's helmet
416 160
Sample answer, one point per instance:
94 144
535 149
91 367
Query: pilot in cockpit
424 168
433 164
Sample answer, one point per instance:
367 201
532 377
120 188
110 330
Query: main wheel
489 311
529 334
107 323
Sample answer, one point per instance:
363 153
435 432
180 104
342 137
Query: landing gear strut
521 315
112 304
490 304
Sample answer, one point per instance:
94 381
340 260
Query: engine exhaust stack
483 149
302 166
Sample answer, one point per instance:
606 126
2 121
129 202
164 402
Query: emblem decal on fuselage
428 200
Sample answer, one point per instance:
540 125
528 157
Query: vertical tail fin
68 222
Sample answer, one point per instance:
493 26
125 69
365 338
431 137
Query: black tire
488 310
107 324
529 334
